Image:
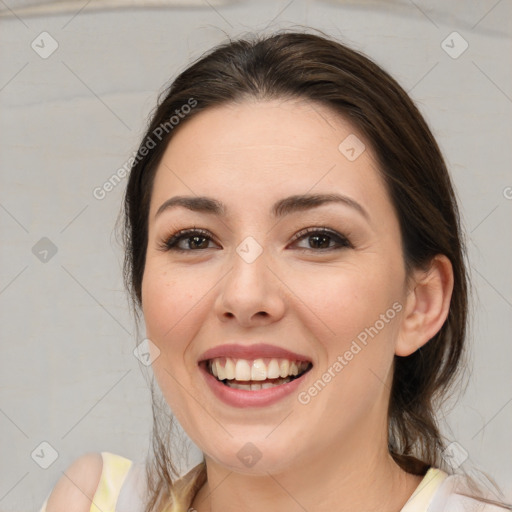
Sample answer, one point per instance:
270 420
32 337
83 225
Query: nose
250 293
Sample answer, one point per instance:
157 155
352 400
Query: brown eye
323 239
318 239
188 240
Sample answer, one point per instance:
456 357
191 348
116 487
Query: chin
258 457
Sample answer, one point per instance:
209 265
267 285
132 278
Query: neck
358 474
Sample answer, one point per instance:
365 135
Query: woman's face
253 276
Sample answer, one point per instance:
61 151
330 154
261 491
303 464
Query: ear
426 305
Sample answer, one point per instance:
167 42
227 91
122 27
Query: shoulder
458 494
76 487
93 477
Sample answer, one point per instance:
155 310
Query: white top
122 488
437 492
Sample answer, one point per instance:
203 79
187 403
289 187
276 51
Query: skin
330 454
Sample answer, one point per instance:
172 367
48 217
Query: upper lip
255 351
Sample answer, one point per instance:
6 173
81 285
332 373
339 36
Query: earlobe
426 306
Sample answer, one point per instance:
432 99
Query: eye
194 239
321 239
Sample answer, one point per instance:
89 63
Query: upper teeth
257 369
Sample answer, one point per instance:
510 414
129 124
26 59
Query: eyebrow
286 206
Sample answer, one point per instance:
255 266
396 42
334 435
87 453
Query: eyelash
170 243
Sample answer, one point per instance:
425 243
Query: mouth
255 374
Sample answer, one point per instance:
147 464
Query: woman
293 243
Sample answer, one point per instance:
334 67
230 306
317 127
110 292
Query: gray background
68 122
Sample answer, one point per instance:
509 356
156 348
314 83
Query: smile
258 382
256 374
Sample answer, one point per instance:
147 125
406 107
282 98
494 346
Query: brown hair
317 68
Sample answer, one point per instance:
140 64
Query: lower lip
247 398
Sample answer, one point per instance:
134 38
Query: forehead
281 127
258 151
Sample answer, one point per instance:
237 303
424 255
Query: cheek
348 299
360 305
165 300
174 305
